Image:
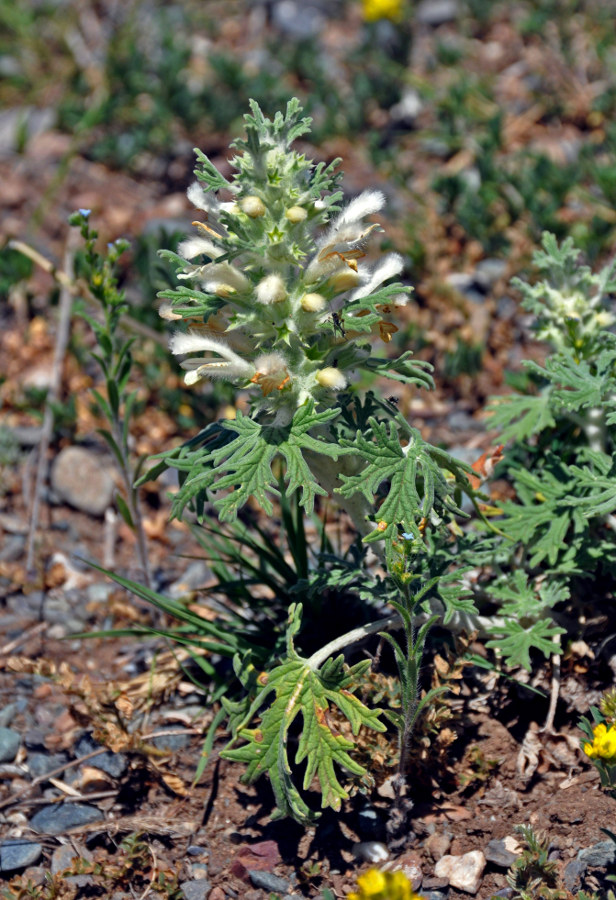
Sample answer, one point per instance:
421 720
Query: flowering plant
276 296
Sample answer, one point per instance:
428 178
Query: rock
269 882
60 817
42 763
196 890
80 479
13 548
262 856
572 875
436 12
490 270
7 714
195 576
64 857
170 742
496 852
298 20
437 845
9 744
17 854
410 864
463 872
600 855
217 893
195 850
113 764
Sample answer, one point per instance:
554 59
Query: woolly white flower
196 245
271 289
226 365
272 373
165 311
388 267
207 201
364 205
347 237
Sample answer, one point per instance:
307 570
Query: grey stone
34 739
113 764
13 548
7 714
600 855
80 478
298 20
491 270
17 854
572 875
498 855
9 744
58 818
195 576
196 890
436 12
171 742
269 882
41 763
64 857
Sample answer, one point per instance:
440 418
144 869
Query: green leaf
248 461
124 510
300 690
516 641
520 417
417 483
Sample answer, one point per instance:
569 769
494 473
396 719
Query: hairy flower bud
270 290
332 378
296 214
313 303
253 206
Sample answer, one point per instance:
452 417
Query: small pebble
58 818
463 872
64 857
9 744
496 852
17 854
196 890
80 478
269 882
113 764
41 763
600 855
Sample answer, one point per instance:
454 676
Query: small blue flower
408 537
86 213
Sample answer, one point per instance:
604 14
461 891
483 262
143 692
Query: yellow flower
604 743
376 885
373 10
